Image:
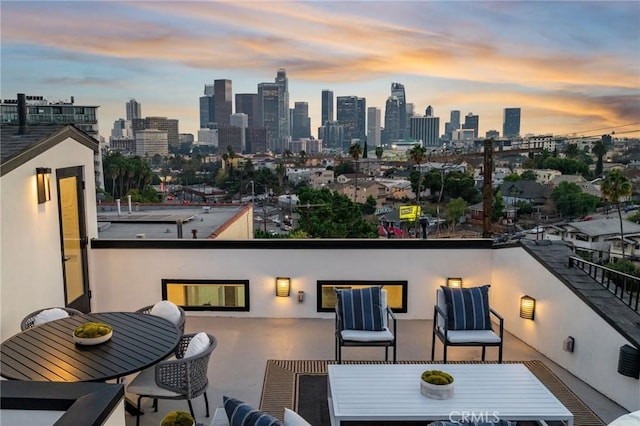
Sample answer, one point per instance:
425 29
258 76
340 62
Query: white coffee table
486 391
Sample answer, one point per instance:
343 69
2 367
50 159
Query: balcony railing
624 286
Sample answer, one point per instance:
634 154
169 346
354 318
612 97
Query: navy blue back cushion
242 414
361 309
467 308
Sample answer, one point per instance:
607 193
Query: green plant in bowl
437 377
91 330
177 418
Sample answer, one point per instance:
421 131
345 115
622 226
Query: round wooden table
47 352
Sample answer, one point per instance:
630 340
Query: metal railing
624 286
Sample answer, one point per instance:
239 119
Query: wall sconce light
569 344
629 361
527 307
43 180
301 296
283 286
454 282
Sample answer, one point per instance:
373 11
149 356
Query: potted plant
92 333
436 384
177 418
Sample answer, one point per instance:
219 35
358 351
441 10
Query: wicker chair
29 320
179 378
181 321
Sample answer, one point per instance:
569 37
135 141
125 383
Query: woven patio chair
29 320
179 323
184 377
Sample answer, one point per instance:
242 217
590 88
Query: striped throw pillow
361 309
242 414
467 308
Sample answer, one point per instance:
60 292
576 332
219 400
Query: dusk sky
573 67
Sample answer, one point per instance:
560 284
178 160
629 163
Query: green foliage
433 180
634 217
369 207
177 418
529 175
513 177
333 215
437 377
123 174
455 209
379 152
459 184
570 200
90 330
524 207
567 166
346 167
497 208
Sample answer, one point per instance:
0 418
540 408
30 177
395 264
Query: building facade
283 109
133 109
327 107
247 103
511 122
426 129
223 100
301 123
452 124
374 124
472 121
351 114
268 104
150 142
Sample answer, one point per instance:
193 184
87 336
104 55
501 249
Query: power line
598 129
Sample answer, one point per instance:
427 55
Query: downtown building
452 125
222 101
268 104
300 121
511 123
472 121
284 126
327 107
426 129
247 103
374 125
351 115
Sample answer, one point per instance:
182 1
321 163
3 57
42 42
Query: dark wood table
47 352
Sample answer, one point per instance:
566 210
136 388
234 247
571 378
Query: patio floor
237 365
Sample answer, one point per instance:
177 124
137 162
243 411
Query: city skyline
572 67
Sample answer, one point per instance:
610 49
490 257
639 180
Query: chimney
22 114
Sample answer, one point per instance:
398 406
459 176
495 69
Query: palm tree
355 151
616 186
417 154
599 150
379 152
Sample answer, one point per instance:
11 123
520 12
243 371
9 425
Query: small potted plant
177 418
92 333
436 384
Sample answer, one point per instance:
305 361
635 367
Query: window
207 295
396 293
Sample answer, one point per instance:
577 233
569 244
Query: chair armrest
392 315
437 310
172 375
339 326
500 320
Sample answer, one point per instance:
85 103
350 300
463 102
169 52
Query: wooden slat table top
47 352
392 392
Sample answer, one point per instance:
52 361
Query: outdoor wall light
527 307
283 286
454 282
43 180
629 361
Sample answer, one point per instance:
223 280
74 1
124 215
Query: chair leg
206 403
395 349
484 350
444 357
433 345
339 354
191 408
138 413
386 354
500 353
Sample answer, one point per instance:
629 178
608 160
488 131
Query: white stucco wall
30 257
560 313
126 279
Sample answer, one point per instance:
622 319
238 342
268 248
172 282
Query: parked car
631 207
538 229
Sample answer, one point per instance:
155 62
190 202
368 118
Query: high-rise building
207 110
391 120
301 123
429 111
168 125
397 90
472 122
351 114
256 140
230 136
452 124
332 135
150 142
492 134
268 103
223 100
283 107
426 129
209 89
247 103
241 121
511 122
373 127
134 109
327 106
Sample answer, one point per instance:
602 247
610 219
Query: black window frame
245 283
346 283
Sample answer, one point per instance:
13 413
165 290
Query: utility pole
487 193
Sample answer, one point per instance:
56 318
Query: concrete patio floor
237 365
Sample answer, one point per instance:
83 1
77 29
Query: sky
573 67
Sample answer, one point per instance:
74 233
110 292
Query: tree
497 208
571 150
529 175
355 151
379 152
455 209
615 186
570 200
513 177
599 150
417 154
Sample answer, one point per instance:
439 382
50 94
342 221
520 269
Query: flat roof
161 222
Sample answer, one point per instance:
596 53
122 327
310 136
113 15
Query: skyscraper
472 122
268 103
426 129
511 122
247 103
373 127
223 100
283 106
351 114
207 107
301 126
327 106
134 109
452 125
397 90
391 120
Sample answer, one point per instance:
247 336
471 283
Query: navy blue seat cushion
242 414
467 308
361 309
